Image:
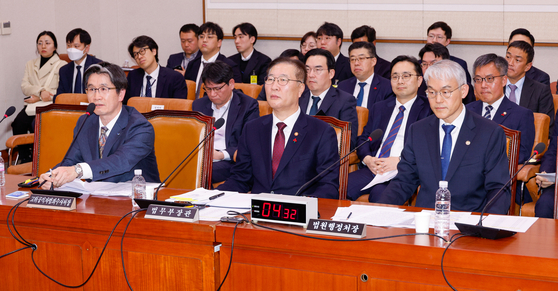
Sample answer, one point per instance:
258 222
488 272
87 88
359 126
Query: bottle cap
442 184
137 172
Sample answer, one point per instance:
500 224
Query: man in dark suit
393 116
150 79
280 152
368 34
113 142
250 61
78 43
371 87
533 73
236 108
190 51
523 90
454 145
330 38
323 98
545 204
210 38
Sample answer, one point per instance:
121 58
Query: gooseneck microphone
495 233
376 134
88 112
8 113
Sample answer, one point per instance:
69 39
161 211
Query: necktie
446 149
512 94
278 147
102 140
360 95
77 84
198 85
314 108
148 87
487 113
386 148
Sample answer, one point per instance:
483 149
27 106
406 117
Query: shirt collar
224 107
519 83
495 105
289 121
458 121
211 60
248 57
154 74
192 56
82 63
111 124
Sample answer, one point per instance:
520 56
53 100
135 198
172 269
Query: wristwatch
79 171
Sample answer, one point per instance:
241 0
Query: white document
551 177
372 215
509 222
106 188
199 194
217 207
379 179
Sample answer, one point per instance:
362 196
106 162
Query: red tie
278 147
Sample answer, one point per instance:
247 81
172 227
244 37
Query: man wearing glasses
454 145
113 142
151 79
236 108
368 34
430 54
280 152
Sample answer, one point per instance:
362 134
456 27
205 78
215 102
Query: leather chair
343 131
72 99
265 109
145 104
513 137
553 88
252 90
362 114
176 134
191 89
555 97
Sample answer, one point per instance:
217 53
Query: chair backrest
146 104
553 87
176 134
54 130
252 90
265 109
64 57
513 137
191 89
555 99
362 114
343 132
542 121
72 99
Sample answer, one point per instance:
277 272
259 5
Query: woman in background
308 42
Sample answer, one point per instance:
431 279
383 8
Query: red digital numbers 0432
278 210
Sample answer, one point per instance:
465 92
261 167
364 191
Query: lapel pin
467 142
294 140
375 88
296 133
504 114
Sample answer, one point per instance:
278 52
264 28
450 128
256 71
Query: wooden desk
159 255
269 260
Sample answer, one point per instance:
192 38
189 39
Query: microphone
8 113
376 134
88 111
495 233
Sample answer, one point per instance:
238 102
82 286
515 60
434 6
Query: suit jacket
548 160
243 108
194 66
463 64
305 156
129 146
67 75
513 117
538 98
379 116
35 76
338 104
538 75
170 84
257 63
382 68
380 89
176 60
342 69
477 170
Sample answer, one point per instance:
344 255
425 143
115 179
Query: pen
41 185
349 216
216 196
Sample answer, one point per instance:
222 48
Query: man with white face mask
78 43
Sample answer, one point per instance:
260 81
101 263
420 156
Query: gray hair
446 70
500 62
114 72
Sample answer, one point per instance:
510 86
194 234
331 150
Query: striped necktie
386 148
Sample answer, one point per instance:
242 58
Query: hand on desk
60 176
543 182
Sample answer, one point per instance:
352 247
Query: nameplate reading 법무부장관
174 213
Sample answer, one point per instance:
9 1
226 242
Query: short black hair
248 29
444 26
484 60
289 53
217 73
525 32
300 73
211 27
190 27
84 36
526 47
331 29
438 49
364 30
307 35
409 59
114 72
366 45
143 41
325 53
49 33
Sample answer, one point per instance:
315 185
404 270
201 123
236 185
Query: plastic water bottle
443 207
138 187
2 177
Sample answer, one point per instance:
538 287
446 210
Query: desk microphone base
483 232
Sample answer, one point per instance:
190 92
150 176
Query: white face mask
74 54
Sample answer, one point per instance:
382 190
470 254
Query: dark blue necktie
77 84
446 149
360 95
148 87
386 148
314 108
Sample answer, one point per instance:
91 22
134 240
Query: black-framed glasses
214 89
103 91
446 93
489 79
282 81
359 59
141 51
405 77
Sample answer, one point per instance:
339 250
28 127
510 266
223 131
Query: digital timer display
278 211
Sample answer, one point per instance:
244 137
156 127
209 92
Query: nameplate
157 107
336 228
51 202
174 213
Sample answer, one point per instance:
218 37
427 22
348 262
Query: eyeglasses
446 93
214 89
489 79
282 81
103 91
359 59
308 46
405 77
434 37
140 52
316 70
427 64
208 36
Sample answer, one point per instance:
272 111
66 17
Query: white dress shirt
289 121
366 89
311 101
399 141
219 141
154 76
458 122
